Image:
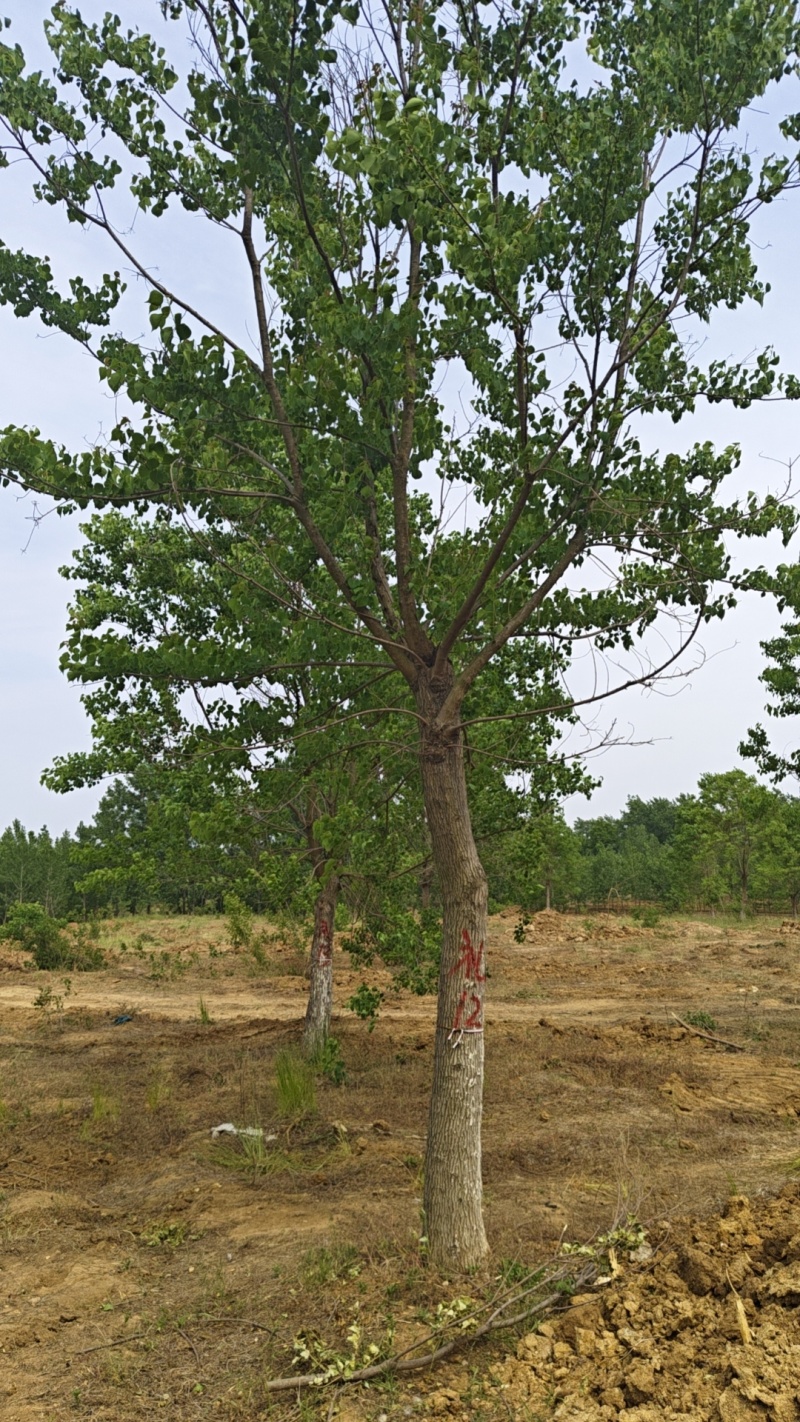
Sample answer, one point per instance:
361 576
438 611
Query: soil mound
549 926
709 1328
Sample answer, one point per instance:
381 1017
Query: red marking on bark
325 948
475 1020
471 960
473 1023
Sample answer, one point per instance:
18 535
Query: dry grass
120 1216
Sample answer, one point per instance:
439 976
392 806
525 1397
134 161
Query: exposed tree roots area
146 1270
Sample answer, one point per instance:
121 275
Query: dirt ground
147 1270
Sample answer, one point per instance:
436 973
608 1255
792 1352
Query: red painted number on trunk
471 960
474 1022
325 950
469 1012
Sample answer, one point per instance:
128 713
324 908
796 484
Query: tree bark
453 1186
425 882
317 1025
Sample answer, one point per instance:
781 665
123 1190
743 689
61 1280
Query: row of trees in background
733 846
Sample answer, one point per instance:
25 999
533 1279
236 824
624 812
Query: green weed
162 1233
158 1091
327 1061
104 1111
249 1154
295 1088
327 1263
703 1020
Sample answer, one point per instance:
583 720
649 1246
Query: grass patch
104 1111
158 1091
327 1263
295 1088
253 1156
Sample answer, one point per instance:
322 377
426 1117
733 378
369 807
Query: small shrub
50 1003
648 916
519 928
327 1061
295 1088
239 921
365 1003
205 1016
703 1020
165 966
49 942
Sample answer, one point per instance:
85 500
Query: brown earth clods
666 1343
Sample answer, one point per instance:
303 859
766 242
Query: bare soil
146 1270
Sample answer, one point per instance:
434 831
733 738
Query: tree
35 867
726 832
781 677
178 641
174 635
407 190
631 856
537 865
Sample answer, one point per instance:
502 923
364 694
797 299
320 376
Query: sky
675 732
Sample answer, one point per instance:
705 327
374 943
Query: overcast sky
686 728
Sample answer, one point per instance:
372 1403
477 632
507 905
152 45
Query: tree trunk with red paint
320 995
453 1185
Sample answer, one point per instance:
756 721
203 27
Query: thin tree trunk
453 1185
320 994
547 895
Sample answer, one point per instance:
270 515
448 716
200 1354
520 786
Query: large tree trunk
453 1187
320 994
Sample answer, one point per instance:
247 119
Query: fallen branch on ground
709 1036
112 1343
499 1318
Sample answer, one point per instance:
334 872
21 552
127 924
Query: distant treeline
734 846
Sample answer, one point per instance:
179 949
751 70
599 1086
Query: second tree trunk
320 994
